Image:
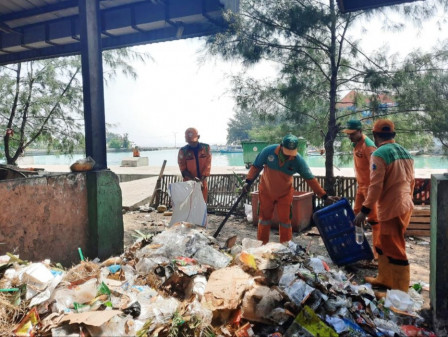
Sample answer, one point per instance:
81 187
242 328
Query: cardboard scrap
226 287
94 318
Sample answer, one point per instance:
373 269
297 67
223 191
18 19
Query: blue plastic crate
335 225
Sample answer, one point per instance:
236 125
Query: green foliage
420 88
307 42
317 62
117 141
42 101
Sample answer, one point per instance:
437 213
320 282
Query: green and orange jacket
277 177
391 181
362 152
198 167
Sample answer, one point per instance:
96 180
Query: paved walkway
139 191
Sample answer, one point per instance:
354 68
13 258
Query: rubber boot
401 277
384 278
263 233
375 239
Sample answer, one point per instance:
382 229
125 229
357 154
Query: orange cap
384 126
191 135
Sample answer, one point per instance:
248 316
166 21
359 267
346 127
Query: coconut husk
82 272
10 314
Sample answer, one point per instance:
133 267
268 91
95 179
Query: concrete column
439 251
92 81
106 229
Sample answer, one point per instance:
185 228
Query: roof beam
39 10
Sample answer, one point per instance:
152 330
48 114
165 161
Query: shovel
229 213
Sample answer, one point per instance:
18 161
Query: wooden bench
420 224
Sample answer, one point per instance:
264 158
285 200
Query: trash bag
82 165
188 203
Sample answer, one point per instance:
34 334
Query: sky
177 89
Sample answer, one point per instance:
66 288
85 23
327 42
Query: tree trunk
330 136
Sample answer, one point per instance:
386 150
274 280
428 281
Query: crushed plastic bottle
359 234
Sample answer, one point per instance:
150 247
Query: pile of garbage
180 282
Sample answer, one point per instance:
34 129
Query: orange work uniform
391 185
197 161
362 151
276 187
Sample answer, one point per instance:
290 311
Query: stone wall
45 217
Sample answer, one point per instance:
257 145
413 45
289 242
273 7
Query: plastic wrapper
195 308
116 326
333 304
37 277
46 294
28 325
82 293
298 292
146 266
317 265
212 257
399 300
174 242
387 327
159 311
188 203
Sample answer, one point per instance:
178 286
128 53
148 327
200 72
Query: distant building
361 103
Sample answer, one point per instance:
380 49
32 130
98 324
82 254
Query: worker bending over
280 163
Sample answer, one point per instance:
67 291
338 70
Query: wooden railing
223 190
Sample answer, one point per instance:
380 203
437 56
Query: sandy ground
417 248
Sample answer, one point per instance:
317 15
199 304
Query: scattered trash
180 282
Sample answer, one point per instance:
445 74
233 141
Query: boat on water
232 149
227 148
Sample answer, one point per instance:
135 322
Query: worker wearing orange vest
391 185
195 160
363 147
279 163
136 152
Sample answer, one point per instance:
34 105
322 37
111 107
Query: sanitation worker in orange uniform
279 163
363 147
136 152
195 160
392 186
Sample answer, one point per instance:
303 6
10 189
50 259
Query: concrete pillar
439 251
106 229
92 82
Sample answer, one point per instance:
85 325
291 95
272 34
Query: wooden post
157 188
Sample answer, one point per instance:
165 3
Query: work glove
330 199
246 187
359 219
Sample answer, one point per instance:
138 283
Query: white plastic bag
188 203
248 212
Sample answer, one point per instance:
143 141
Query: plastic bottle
359 234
